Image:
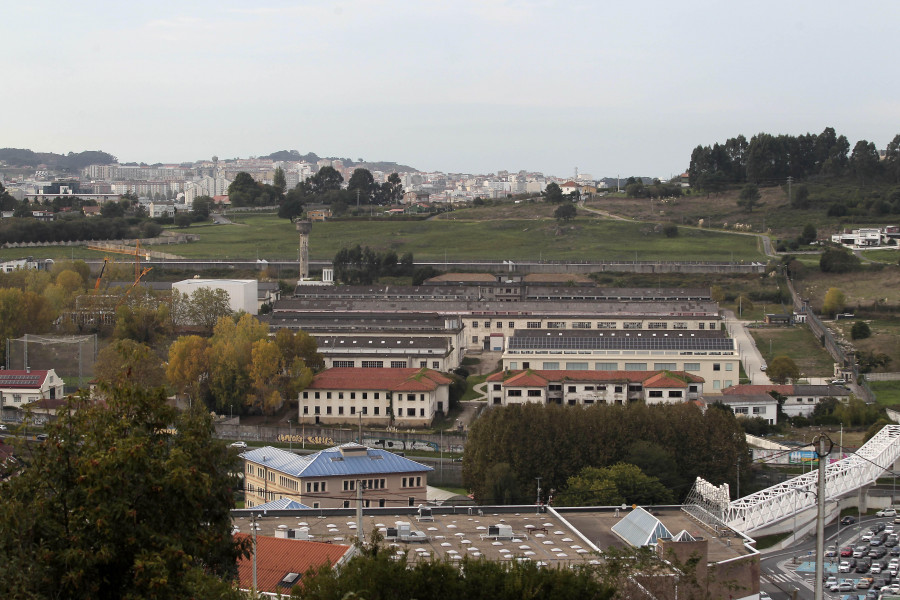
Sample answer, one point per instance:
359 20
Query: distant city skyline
471 87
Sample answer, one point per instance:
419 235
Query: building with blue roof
330 478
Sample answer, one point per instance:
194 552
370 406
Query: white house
19 388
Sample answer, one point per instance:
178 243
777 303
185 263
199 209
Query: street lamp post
290 437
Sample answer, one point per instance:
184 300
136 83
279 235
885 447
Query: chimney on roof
28 369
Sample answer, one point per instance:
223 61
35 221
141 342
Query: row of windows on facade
599 325
376 411
614 366
379 364
743 410
363 396
601 388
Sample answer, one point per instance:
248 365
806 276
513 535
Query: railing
795 495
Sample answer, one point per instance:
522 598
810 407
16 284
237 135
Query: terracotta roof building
281 563
404 397
584 388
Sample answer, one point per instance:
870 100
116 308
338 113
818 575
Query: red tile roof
401 380
276 557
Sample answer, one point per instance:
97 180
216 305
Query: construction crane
136 252
138 271
133 285
100 276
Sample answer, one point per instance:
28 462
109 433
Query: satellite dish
624 506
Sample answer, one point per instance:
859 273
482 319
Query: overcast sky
464 86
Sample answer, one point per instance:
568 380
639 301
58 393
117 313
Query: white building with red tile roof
584 388
800 399
403 397
18 388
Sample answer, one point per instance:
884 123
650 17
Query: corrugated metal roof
331 462
640 528
281 504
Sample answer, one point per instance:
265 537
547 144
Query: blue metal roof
281 504
332 462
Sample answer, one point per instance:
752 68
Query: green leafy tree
809 234
7 202
188 368
860 331
362 182
392 190
610 486
800 199
834 301
126 499
749 197
565 212
553 193
782 368
837 260
326 179
201 207
128 363
183 220
230 357
279 181
870 360
202 309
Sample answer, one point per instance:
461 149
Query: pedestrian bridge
712 504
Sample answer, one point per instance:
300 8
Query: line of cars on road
875 556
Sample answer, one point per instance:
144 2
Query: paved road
749 353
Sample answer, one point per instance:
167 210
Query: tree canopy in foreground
125 499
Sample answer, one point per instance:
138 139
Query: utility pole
360 532
253 530
790 179
538 490
822 453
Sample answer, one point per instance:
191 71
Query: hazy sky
465 86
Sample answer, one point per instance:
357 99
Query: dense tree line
68 230
326 187
358 265
636 188
73 161
769 158
246 191
508 447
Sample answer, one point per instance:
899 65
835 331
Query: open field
863 287
588 239
268 237
884 255
885 339
887 393
797 342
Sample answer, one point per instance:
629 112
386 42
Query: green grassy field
797 342
883 255
268 237
887 393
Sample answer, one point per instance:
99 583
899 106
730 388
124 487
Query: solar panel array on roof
619 343
19 379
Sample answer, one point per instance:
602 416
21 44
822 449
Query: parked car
886 512
845 566
838 381
845 585
41 437
847 551
889 528
868 535
848 520
832 580
764 595
2 427
238 444
879 583
860 551
876 568
862 566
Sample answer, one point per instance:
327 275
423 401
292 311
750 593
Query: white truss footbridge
711 504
